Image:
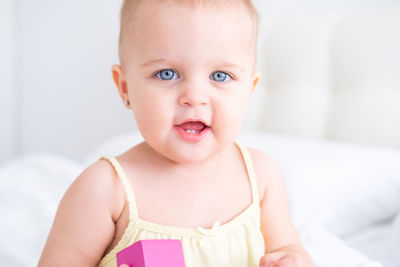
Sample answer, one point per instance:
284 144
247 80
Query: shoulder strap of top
133 214
250 171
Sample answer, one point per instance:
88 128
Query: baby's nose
193 96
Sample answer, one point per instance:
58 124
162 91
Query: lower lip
192 137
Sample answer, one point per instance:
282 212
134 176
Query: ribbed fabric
237 243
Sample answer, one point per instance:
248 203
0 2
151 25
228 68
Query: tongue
193 125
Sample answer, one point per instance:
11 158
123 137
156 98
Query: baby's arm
282 242
84 225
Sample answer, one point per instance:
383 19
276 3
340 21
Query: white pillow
344 186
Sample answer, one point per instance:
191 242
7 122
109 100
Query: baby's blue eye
220 76
166 75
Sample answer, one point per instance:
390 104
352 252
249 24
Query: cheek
231 113
153 112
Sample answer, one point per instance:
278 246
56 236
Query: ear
120 82
255 80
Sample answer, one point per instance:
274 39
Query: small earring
126 102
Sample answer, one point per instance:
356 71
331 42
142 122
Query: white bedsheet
374 241
395 243
32 186
30 190
328 250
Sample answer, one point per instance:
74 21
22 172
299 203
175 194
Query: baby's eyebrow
155 61
230 65
218 65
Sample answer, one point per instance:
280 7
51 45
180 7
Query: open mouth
193 130
193 127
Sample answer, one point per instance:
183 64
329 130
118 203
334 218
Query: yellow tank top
237 243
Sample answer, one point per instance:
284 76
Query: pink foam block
153 253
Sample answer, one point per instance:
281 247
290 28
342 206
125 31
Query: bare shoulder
84 224
99 186
266 169
106 187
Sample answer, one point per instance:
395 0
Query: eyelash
158 75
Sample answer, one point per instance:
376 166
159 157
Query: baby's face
189 76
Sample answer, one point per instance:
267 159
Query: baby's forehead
153 23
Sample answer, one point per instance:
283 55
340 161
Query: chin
188 156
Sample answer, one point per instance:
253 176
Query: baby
187 73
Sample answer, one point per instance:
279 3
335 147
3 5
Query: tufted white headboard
333 75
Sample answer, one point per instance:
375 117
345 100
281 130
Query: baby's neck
199 168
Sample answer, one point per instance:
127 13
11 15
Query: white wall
284 8
69 103
8 93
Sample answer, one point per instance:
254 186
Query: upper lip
194 120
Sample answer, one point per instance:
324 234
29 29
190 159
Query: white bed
343 211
